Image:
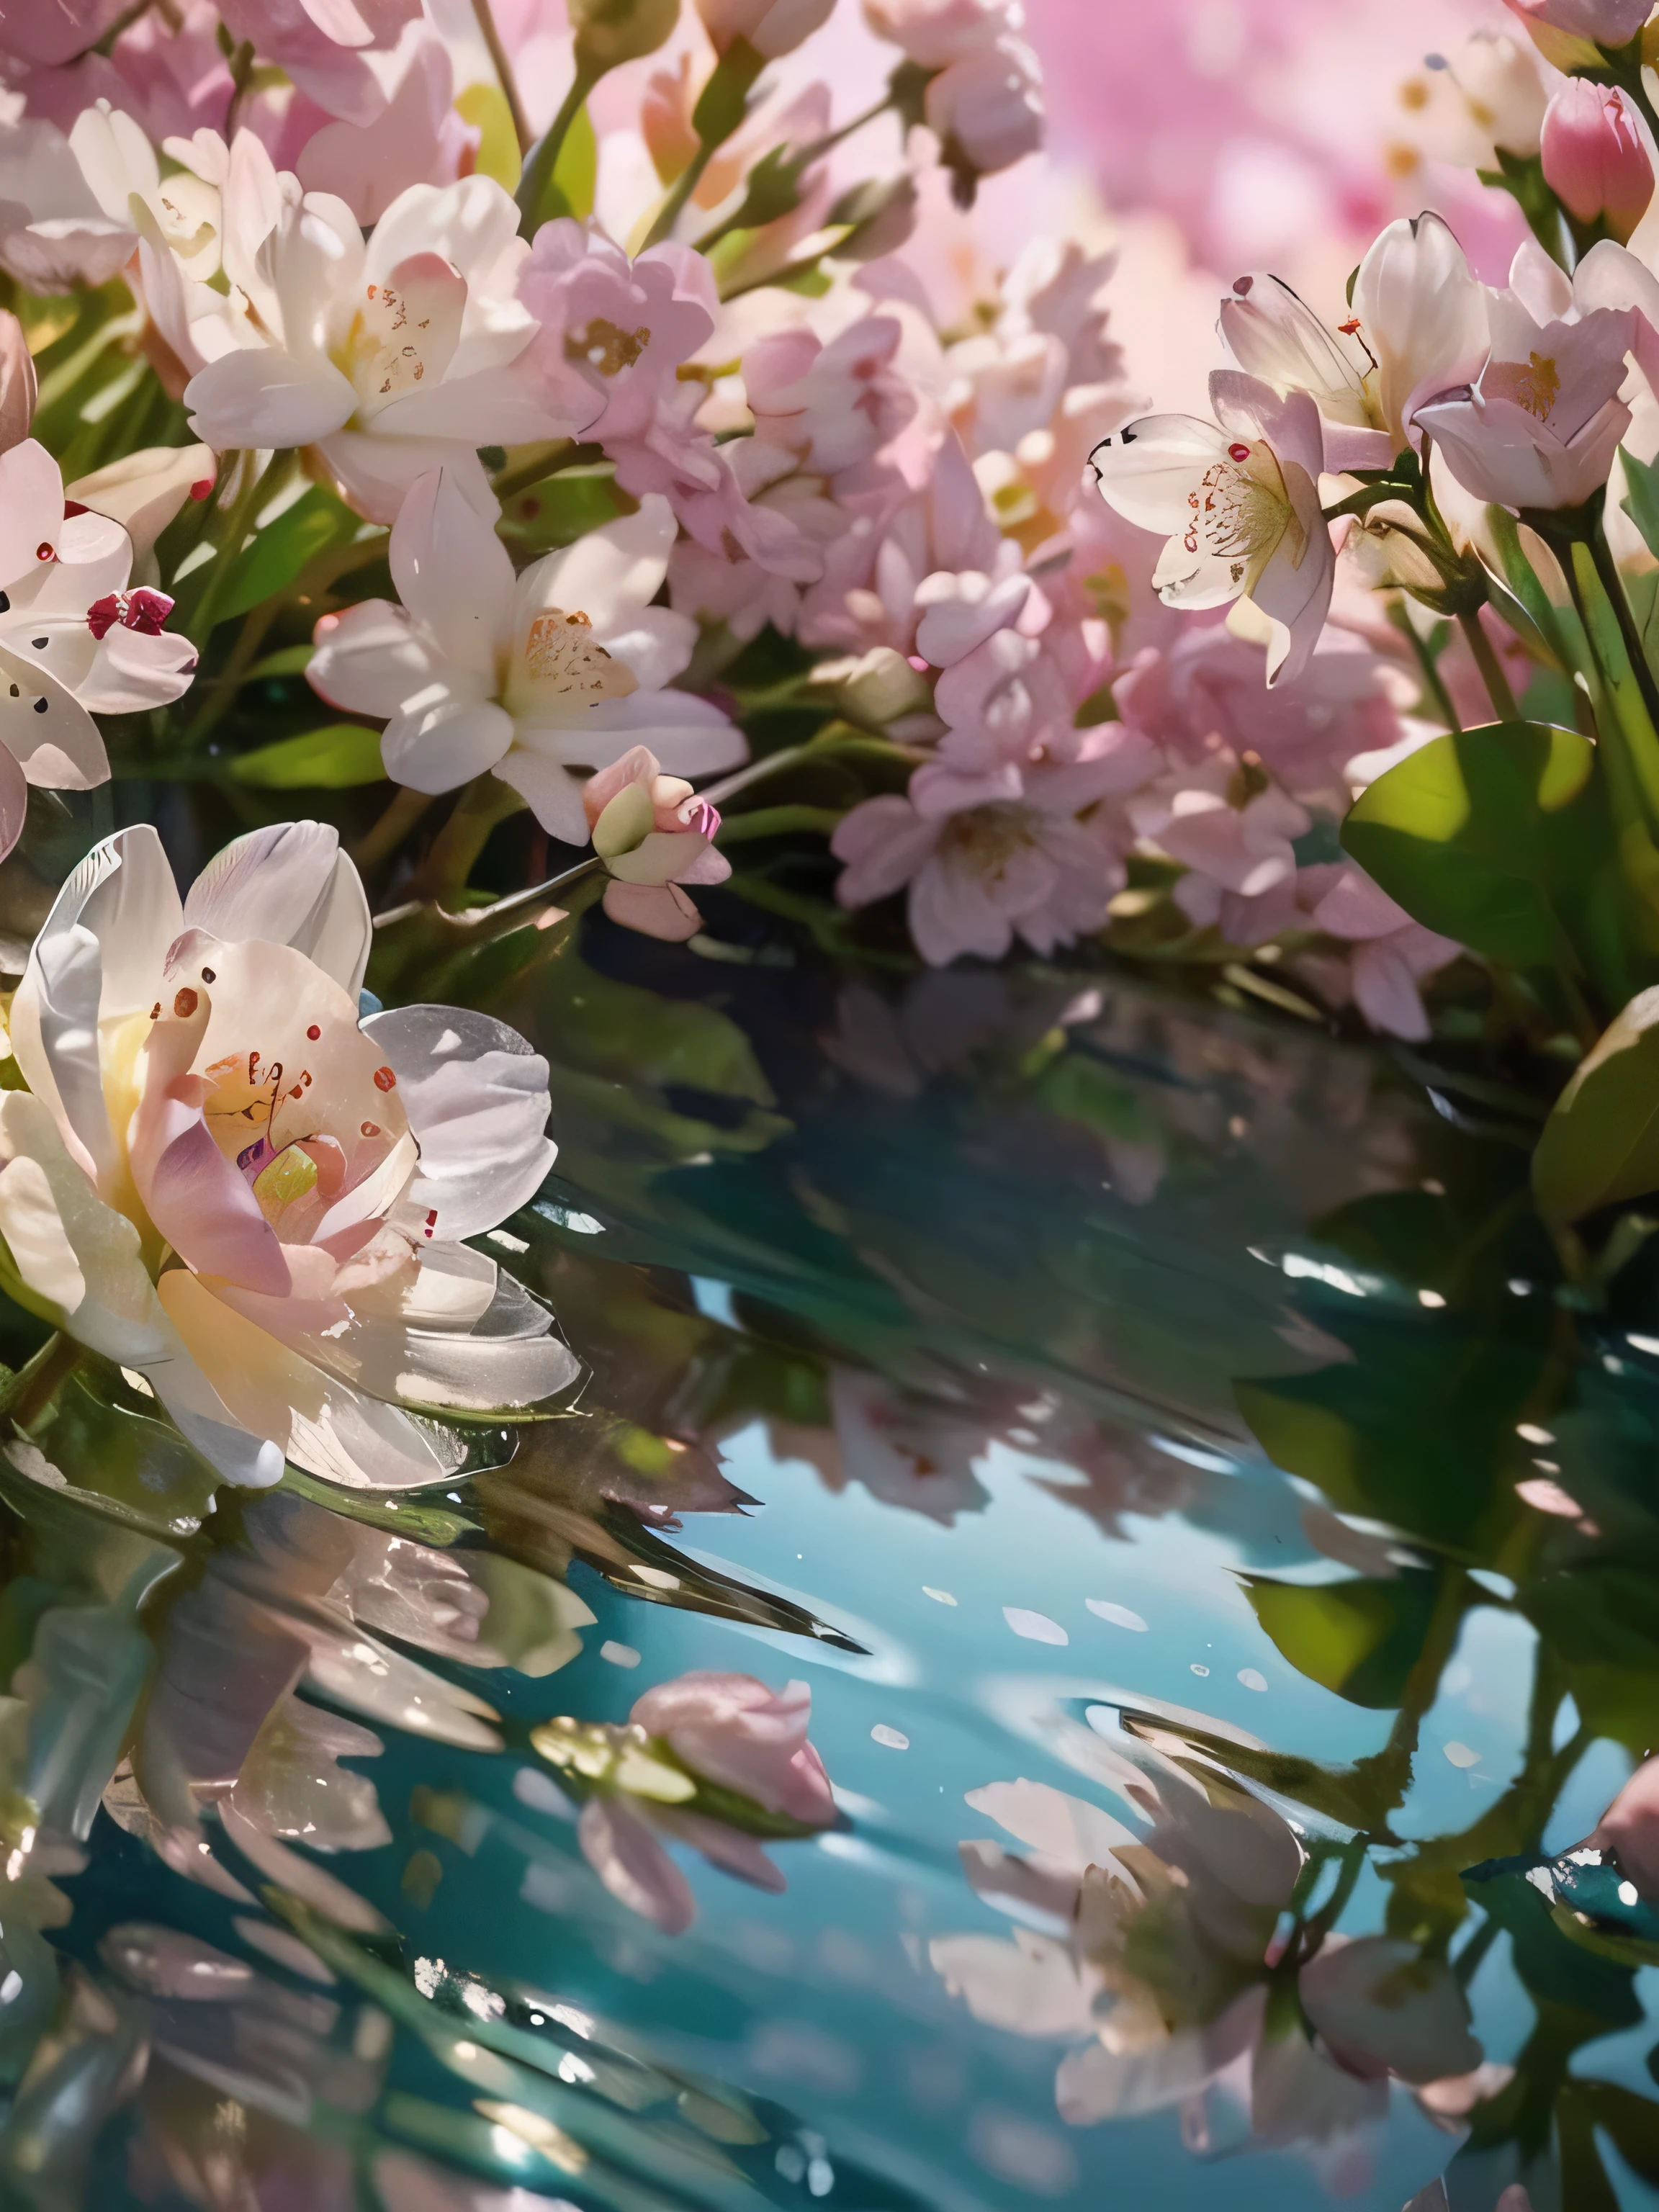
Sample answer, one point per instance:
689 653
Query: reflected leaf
1360 1638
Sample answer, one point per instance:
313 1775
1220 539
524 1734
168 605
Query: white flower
73 640
64 212
220 1178
1422 313
567 665
392 355
1241 503
1273 335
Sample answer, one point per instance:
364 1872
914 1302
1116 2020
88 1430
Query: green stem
538 169
553 453
1433 682
1613 584
1492 669
721 106
220 689
200 625
106 45
798 162
384 836
475 917
485 801
500 61
35 1385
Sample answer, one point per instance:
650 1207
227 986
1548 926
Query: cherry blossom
568 665
981 874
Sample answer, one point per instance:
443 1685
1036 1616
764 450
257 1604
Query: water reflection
1156 1452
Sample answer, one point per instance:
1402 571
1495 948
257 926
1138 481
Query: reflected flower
714 1761
1165 1951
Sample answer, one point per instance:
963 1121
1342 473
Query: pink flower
322 46
832 407
1597 154
868 592
934 34
980 875
613 332
653 834
1392 952
50 32
417 139
770 27
1543 426
734 1731
986 108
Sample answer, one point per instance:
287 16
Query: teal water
1081 1386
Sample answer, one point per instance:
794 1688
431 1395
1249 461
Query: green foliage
1601 1142
1359 1638
484 107
560 508
315 522
337 757
575 173
1500 838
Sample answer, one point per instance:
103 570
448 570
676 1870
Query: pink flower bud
1597 158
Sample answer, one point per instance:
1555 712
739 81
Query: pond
1216 1536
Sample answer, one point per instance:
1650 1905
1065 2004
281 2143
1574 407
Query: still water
1112 1404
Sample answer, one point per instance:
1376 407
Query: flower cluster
625 431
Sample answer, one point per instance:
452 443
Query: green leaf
576 171
1601 1142
316 521
1359 1638
1641 502
337 757
1499 838
484 107
560 508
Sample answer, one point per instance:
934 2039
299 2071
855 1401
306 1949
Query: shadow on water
1220 1543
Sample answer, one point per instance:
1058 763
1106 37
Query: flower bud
16 384
1597 158
611 32
665 124
987 108
770 27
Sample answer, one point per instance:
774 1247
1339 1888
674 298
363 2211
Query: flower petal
289 884
96 960
610 575
369 659
477 1102
444 738
452 571
320 1421
1148 470
261 395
